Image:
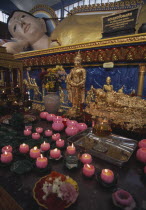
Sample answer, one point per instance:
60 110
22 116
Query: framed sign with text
120 24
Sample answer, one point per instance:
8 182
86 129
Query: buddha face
108 80
23 26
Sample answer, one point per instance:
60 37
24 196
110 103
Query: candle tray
113 148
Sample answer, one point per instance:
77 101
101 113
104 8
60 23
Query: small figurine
108 87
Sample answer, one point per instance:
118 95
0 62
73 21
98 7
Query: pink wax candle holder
41 162
24 148
107 176
55 153
45 146
56 136
72 122
82 126
48 132
50 117
88 170
36 136
34 152
86 158
43 115
27 132
57 126
141 154
28 127
39 130
142 143
71 130
71 150
60 143
7 148
57 118
6 157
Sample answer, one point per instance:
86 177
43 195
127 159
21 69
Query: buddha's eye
14 28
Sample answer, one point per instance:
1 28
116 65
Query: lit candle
50 117
71 130
34 152
141 154
88 170
28 127
27 132
41 162
82 126
6 157
142 143
7 148
86 158
58 126
55 153
71 150
60 143
39 130
43 115
45 146
71 122
57 118
48 132
107 175
35 136
56 136
23 148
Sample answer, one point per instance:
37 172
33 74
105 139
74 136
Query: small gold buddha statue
108 87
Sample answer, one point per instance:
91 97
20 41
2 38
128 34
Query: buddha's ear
43 24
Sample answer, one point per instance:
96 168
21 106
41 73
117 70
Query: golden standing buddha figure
108 87
76 86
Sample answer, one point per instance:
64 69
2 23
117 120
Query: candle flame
5 153
88 166
41 156
86 155
7 147
35 148
23 144
55 149
44 142
59 140
72 145
106 170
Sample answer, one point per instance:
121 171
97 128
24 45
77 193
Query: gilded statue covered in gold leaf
76 85
108 87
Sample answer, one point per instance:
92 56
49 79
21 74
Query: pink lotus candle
43 115
50 117
34 152
28 127
71 130
142 143
60 143
48 132
41 162
7 148
71 150
45 146
24 148
64 120
71 122
6 157
82 126
86 158
58 126
57 118
141 154
39 130
56 136
27 132
107 175
55 153
36 136
88 170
